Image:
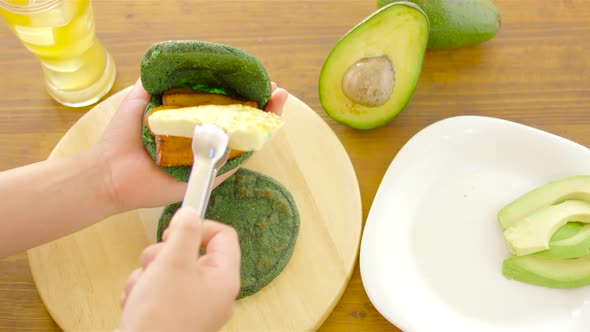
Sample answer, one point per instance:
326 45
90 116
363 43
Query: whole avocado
458 23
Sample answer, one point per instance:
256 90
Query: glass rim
34 8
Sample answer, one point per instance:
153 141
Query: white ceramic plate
432 249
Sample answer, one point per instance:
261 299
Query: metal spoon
210 153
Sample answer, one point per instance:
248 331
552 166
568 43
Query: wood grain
80 276
536 71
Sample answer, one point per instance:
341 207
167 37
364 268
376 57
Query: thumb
277 101
184 239
130 112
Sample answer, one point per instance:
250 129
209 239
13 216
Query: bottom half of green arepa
266 218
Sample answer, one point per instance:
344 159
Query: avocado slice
573 247
370 75
573 187
566 231
532 233
547 272
455 23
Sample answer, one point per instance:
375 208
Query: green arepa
266 218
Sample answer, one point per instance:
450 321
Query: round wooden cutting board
80 277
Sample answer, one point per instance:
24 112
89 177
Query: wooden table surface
536 71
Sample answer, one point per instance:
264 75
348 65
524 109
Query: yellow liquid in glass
78 70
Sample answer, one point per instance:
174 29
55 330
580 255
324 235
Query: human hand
133 178
177 288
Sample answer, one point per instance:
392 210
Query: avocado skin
458 23
204 66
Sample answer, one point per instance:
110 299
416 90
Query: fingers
219 179
222 259
277 101
273 86
129 284
163 189
222 247
175 189
184 238
166 234
132 279
149 253
220 241
138 92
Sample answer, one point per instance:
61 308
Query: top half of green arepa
204 66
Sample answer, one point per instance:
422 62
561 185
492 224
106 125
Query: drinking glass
78 70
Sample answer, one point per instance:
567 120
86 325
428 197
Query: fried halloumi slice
189 97
248 128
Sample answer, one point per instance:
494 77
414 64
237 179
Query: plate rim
392 315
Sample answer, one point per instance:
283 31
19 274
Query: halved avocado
370 75
557 191
548 272
201 66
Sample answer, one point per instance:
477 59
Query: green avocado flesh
458 23
266 218
371 74
547 272
547 229
568 188
566 231
574 246
533 233
202 66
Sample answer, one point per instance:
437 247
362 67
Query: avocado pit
369 81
